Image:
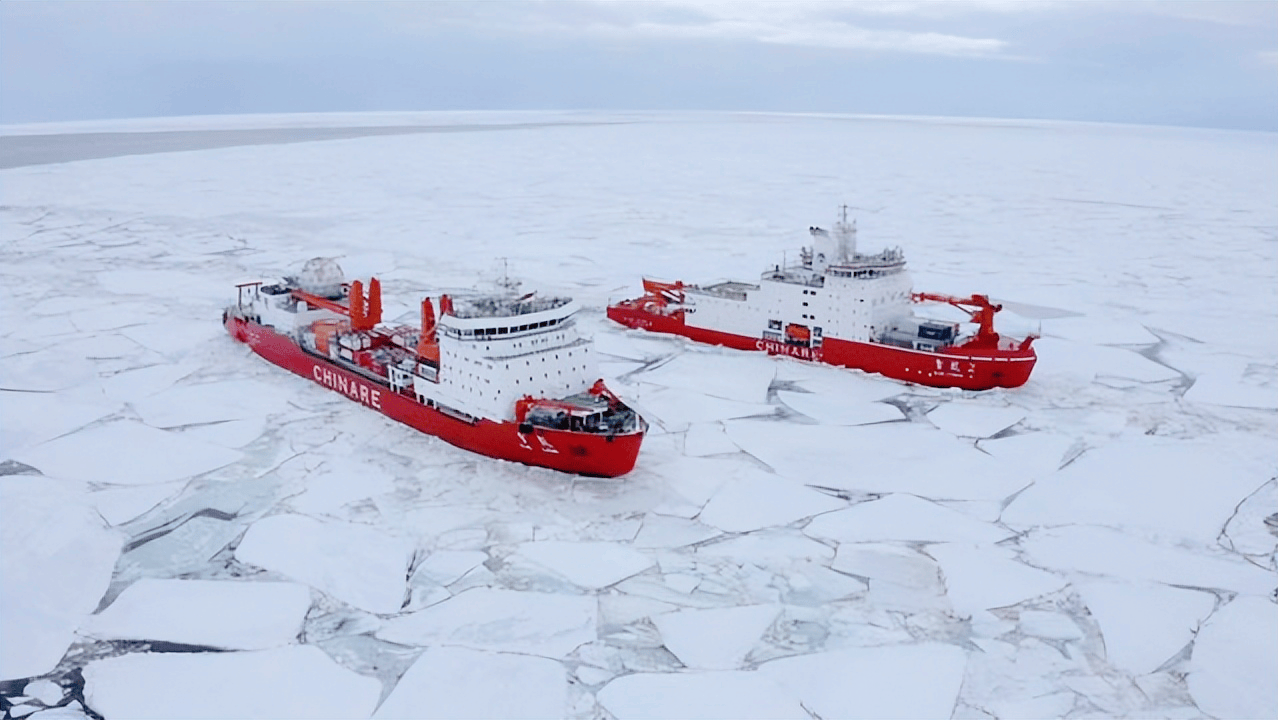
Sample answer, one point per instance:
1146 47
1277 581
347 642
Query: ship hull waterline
578 453
956 367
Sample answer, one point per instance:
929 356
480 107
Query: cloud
795 23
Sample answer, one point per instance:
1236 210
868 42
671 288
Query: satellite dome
322 277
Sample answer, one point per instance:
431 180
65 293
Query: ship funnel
426 344
445 305
374 302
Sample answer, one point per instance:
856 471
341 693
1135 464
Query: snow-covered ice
1092 543
457 683
358 564
215 613
56 558
502 620
299 681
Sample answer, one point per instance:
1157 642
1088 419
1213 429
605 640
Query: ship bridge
494 317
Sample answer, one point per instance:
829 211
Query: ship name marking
359 392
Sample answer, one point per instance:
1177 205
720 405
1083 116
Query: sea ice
724 695
211 402
232 615
969 419
888 457
1109 552
119 505
715 639
677 409
56 562
903 517
354 563
1227 386
894 681
1059 359
704 439
501 620
447 566
591 565
339 481
457 683
982 577
1188 487
896 564
665 531
134 385
1035 453
1144 624
834 410
727 374
756 500
152 456
30 418
298 681
1235 661
1098 330
46 691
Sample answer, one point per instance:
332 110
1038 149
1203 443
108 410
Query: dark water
25 150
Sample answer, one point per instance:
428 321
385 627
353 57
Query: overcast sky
1209 64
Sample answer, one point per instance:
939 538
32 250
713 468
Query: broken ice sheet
119 505
236 615
903 517
450 683
895 681
1144 624
1110 552
1187 487
676 409
888 457
211 402
708 438
715 639
719 373
354 563
1062 359
722 695
125 452
339 481
1235 660
755 500
834 410
970 419
1099 330
30 418
546 624
981 577
298 681
56 563
591 565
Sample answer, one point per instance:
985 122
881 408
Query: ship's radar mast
845 235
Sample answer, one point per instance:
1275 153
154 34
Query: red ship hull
571 452
963 366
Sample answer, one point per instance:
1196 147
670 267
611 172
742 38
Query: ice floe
1235 660
152 456
974 419
1109 552
835 410
357 564
895 681
906 518
535 623
457 683
724 695
704 439
56 564
299 681
891 457
730 375
714 639
1144 624
590 565
30 418
224 614
753 501
982 577
1187 487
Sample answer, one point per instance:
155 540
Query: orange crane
978 307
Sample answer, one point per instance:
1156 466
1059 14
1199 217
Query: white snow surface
354 563
299 681
456 683
216 613
1035 552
